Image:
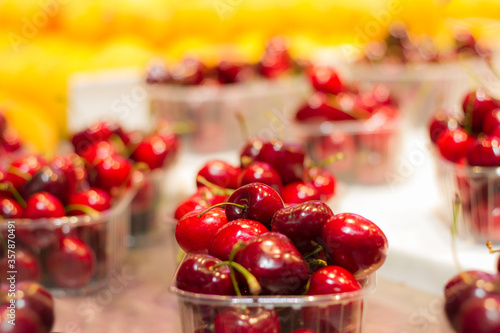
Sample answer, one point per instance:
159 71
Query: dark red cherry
276 264
355 243
73 168
190 71
93 198
21 170
95 152
194 232
316 109
332 280
27 266
484 152
326 79
275 61
299 192
231 233
260 172
72 264
323 180
11 140
220 173
259 201
48 179
491 122
158 74
197 274
480 315
232 72
99 131
302 223
439 123
154 150
113 172
454 144
10 209
26 321
247 320
476 105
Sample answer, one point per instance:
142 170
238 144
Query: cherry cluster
274 62
400 46
281 165
472 301
89 182
28 308
10 143
275 249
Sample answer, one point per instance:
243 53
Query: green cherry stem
331 159
9 187
315 251
251 280
84 208
220 205
216 189
319 262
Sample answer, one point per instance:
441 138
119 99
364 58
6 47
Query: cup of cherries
363 126
467 146
254 263
203 98
150 153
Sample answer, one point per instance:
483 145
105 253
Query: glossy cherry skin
73 168
316 109
220 173
260 203
480 315
260 172
27 266
190 71
484 152
154 150
93 198
197 275
99 131
203 198
299 192
43 205
491 122
440 122
97 151
454 144
194 233
276 264
10 209
355 243
72 264
26 166
113 172
302 223
27 321
332 280
249 320
325 79
34 302
231 233
48 179
275 61
323 180
477 103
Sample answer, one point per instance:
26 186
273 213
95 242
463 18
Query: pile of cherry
362 129
274 62
468 140
279 164
37 192
276 249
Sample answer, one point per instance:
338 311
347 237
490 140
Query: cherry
95 152
480 315
27 266
113 172
203 198
72 264
454 144
10 140
484 152
48 179
439 123
258 202
220 173
93 198
276 264
491 122
43 205
10 209
332 280
22 169
248 320
26 321
230 233
190 71
476 105
99 131
155 150
299 192
73 168
194 232
6 182
232 72
325 79
275 61
377 96
323 180
316 109
158 74
302 223
197 274
260 172
355 243
337 142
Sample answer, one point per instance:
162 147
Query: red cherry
491 122
260 172
316 109
480 315
113 172
99 131
232 72
158 74
276 60
48 179
10 209
323 180
73 168
250 320
325 79
27 266
203 198
484 152
10 140
476 105
454 144
332 280
323 147
220 173
95 152
299 192
72 264
154 150
230 233
43 205
194 233
190 71
22 169
439 123
355 243
93 198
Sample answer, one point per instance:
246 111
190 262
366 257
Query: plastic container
207 114
342 313
478 192
370 148
103 236
145 208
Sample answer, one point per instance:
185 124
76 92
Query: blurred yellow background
42 42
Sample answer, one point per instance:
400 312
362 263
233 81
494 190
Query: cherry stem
84 208
18 172
315 251
332 159
319 262
220 205
456 210
216 189
117 142
468 113
9 187
355 112
243 125
251 280
489 245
